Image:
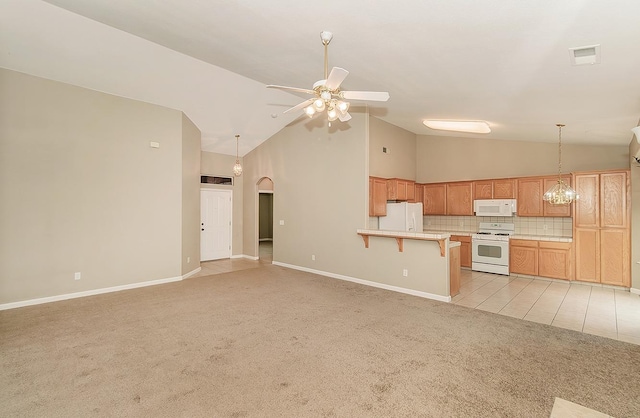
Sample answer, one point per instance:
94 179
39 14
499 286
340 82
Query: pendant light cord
559 150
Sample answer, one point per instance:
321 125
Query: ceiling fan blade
272 86
336 77
374 96
299 106
345 117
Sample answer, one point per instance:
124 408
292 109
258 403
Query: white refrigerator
402 217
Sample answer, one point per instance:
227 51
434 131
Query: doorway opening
265 220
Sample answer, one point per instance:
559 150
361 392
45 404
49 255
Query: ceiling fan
327 93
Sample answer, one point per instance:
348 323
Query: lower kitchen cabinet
454 270
541 258
602 256
465 249
523 257
554 260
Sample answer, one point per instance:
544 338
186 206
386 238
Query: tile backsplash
554 227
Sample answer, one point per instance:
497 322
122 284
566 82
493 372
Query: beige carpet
273 342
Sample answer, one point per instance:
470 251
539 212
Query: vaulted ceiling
504 62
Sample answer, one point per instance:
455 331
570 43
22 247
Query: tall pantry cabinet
602 227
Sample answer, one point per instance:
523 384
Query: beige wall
81 190
400 159
191 140
452 158
320 180
213 164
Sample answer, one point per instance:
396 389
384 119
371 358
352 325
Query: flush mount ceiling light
560 193
473 126
237 168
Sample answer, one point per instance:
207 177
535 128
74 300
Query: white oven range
490 247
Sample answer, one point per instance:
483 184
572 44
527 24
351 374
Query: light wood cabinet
419 194
530 197
400 189
523 257
459 198
454 271
434 199
541 258
377 196
554 260
465 249
602 228
494 189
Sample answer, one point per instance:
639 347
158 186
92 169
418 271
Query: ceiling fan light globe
319 105
332 114
325 95
309 111
343 107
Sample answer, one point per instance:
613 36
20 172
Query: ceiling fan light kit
472 126
327 92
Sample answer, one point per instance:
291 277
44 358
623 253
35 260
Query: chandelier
560 193
237 168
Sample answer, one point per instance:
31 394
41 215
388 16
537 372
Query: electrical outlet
313 257
461 224
281 221
405 273
545 227
77 275
188 259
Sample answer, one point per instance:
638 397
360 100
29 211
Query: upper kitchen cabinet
400 189
495 189
377 196
459 198
530 193
419 194
434 199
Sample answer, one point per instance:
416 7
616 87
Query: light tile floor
227 265
599 310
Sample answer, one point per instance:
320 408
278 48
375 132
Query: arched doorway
265 220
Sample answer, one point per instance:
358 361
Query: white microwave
498 207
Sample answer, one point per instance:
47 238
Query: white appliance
402 216
498 207
490 247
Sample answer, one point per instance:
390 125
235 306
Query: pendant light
237 169
560 193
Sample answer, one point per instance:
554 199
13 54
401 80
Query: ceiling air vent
584 55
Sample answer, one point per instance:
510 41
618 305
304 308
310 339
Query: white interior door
215 224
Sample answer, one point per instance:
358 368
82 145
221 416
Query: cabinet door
614 257
587 245
419 194
410 188
555 210
434 199
523 260
530 197
554 260
454 271
460 198
586 211
613 200
465 249
377 196
504 189
483 189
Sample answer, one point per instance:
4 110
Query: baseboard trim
39 301
634 291
418 293
191 273
248 257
